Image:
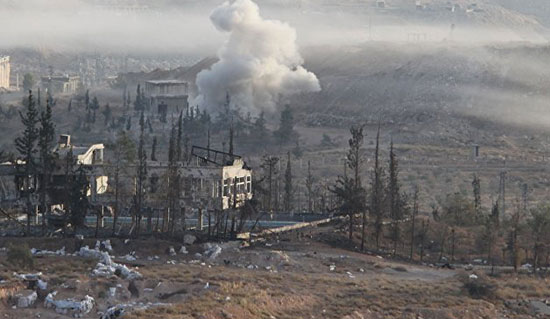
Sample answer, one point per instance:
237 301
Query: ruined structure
4 72
167 96
210 180
89 157
61 84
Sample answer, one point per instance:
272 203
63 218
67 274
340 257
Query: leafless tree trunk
413 221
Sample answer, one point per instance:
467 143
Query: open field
293 276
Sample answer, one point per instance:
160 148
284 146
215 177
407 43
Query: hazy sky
73 25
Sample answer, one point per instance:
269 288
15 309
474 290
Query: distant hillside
442 88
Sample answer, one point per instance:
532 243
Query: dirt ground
292 276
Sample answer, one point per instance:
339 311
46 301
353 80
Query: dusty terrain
294 276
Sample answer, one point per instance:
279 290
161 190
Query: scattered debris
66 306
106 267
28 277
183 250
171 251
332 267
189 239
39 252
212 250
119 310
106 245
113 313
26 301
86 252
473 277
42 285
540 307
129 257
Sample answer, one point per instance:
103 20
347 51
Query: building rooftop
166 82
65 77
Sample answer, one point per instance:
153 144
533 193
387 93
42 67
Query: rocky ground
298 275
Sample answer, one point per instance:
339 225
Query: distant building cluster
61 84
4 72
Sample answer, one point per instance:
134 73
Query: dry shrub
20 256
479 288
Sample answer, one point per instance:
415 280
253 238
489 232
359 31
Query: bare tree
377 192
309 187
288 195
414 213
395 200
269 166
141 178
423 234
516 224
491 232
476 186
539 225
124 156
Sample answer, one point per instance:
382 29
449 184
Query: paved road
91 220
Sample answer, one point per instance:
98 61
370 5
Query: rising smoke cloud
258 63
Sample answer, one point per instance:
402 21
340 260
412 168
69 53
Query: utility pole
524 195
269 165
502 193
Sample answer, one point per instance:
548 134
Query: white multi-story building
4 72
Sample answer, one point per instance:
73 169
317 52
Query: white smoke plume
259 61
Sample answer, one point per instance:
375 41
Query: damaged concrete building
167 96
13 188
211 180
61 84
4 72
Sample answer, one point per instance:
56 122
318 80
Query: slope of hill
450 88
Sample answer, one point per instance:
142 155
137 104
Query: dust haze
185 29
181 28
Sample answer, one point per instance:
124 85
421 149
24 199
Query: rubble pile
106 267
69 306
119 310
26 301
106 244
28 277
171 251
39 252
212 251
189 239
112 313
